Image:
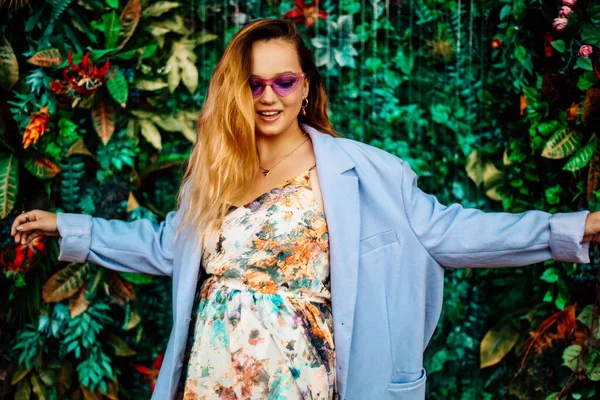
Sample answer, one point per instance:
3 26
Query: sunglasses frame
269 82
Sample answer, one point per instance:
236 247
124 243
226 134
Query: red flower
548 49
496 43
17 263
80 81
151 374
35 245
306 13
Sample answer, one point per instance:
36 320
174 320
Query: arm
137 246
465 238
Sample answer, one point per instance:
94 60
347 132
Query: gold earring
304 106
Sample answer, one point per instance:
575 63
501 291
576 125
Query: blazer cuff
75 236
566 234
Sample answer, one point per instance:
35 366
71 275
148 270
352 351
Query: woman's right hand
41 223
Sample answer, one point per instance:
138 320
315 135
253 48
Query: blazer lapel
339 186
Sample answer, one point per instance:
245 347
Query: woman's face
269 60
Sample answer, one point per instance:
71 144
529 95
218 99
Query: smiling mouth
269 114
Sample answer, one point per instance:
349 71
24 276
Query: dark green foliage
458 89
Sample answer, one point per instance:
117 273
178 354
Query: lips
269 118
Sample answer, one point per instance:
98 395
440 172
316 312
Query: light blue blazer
389 242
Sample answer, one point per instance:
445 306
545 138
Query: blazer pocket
414 387
376 241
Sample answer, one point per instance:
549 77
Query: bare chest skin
287 169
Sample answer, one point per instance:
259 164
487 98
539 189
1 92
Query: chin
269 130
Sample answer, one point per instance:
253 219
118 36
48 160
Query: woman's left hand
592 228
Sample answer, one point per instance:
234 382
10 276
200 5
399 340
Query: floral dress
263 326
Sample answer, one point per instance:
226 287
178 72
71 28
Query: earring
304 106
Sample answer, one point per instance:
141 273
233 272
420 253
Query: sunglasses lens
256 87
285 84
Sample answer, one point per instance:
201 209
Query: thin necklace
266 172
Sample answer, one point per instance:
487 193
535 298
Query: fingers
21 219
29 236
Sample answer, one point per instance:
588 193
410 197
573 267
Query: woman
290 304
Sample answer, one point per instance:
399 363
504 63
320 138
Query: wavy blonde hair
224 161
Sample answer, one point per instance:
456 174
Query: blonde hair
224 161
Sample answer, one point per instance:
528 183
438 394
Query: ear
305 88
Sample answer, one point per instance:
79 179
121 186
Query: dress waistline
238 284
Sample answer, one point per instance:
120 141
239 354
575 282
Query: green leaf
113 4
585 317
497 343
591 34
23 390
112 29
439 359
520 54
587 80
151 133
594 373
9 184
593 12
550 275
159 8
570 356
547 127
559 45
563 295
118 88
585 63
562 144
9 68
150 85
41 168
583 156
350 8
137 278
506 11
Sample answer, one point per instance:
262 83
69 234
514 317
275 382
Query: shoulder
366 155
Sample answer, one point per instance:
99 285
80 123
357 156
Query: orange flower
523 104
496 43
38 125
572 111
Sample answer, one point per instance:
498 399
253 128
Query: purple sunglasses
282 85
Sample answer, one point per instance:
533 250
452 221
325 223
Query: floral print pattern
263 326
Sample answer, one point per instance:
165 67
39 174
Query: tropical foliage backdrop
495 104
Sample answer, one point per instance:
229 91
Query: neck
271 148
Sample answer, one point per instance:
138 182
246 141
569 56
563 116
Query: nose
268 95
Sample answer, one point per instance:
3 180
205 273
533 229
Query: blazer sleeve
465 238
136 246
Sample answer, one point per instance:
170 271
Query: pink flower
585 50
565 11
560 24
570 3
